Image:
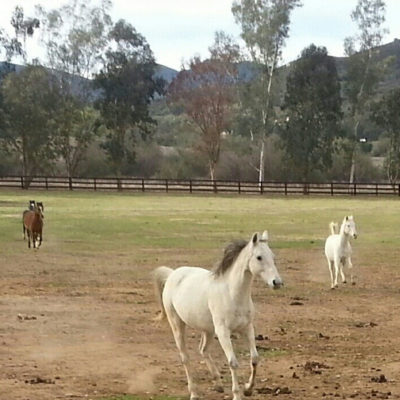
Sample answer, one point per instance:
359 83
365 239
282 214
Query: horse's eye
259 258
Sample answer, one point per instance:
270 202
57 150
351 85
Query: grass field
99 249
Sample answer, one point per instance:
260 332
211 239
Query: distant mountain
166 73
246 69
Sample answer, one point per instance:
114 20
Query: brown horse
33 225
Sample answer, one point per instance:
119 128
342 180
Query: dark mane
230 254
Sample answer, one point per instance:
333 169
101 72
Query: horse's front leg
336 263
224 337
350 266
248 389
29 238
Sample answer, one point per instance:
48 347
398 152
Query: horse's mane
231 252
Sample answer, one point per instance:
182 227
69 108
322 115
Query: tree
312 107
265 27
127 85
75 36
23 28
363 71
206 93
385 113
76 127
29 106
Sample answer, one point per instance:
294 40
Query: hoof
219 388
353 283
248 392
194 397
344 282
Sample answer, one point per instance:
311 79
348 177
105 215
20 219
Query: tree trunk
266 117
354 153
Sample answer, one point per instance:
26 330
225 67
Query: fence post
285 188
143 185
70 183
190 186
376 189
399 189
261 188
94 184
239 188
215 186
22 182
47 183
331 188
166 185
355 188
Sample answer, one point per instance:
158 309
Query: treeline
96 107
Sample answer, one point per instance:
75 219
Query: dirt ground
76 328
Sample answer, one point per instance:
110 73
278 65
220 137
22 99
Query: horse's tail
160 276
334 228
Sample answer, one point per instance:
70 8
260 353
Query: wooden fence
198 186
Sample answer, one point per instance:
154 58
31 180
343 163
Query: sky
179 29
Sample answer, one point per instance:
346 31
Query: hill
246 71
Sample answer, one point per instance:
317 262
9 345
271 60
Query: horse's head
40 208
349 226
262 261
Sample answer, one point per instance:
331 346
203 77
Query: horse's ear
265 236
255 238
347 218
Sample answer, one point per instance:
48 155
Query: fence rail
198 186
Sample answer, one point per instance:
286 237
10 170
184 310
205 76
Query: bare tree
206 93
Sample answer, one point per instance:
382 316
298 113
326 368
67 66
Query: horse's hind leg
178 330
248 389
29 238
203 348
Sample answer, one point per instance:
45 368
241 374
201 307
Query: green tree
127 85
29 106
363 70
312 109
385 113
76 128
75 36
265 27
24 27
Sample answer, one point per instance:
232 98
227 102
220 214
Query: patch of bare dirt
84 328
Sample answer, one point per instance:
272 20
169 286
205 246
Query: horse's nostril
276 283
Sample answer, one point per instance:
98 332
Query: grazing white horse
218 303
338 249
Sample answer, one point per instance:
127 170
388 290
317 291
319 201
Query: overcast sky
178 29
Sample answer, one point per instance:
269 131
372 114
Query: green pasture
86 222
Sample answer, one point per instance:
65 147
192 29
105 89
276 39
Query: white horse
338 249
218 303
